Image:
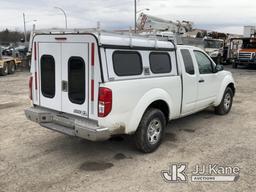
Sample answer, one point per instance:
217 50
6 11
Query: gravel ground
36 159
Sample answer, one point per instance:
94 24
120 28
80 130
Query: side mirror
218 68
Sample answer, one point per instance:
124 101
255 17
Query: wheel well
161 105
232 86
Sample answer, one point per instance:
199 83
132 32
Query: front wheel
226 103
4 70
150 132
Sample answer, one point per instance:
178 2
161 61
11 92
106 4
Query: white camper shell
96 85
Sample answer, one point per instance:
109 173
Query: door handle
201 81
64 86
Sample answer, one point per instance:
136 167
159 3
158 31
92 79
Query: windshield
249 44
212 44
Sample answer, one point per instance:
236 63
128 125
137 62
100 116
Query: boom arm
148 22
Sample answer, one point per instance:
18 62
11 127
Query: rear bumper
67 124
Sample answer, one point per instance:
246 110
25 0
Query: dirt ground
36 159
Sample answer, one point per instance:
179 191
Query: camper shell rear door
64 73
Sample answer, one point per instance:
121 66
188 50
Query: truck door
49 66
74 82
189 82
207 80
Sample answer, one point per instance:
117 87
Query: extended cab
94 86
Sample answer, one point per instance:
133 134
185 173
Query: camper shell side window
160 62
127 63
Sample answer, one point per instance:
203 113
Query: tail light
105 102
30 86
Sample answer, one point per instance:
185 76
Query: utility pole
25 30
135 16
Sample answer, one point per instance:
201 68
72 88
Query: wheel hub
227 101
154 131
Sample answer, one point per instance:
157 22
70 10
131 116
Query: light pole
25 28
135 16
65 15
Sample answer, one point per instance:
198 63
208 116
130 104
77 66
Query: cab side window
204 63
188 62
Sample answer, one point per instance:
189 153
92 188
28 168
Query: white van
94 86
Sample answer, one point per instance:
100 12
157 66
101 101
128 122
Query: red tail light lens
30 86
105 102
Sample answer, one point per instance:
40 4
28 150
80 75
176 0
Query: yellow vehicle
8 65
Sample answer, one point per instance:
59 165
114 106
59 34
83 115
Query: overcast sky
222 15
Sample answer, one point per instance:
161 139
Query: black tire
151 130
226 103
4 70
11 68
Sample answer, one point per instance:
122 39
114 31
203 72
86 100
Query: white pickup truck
95 86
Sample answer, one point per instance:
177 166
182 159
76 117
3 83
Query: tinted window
188 62
76 80
48 76
204 63
127 63
160 63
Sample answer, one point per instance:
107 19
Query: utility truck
246 53
213 43
96 85
213 47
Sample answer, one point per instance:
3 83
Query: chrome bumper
67 124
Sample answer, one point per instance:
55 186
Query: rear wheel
4 70
11 68
150 132
226 103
